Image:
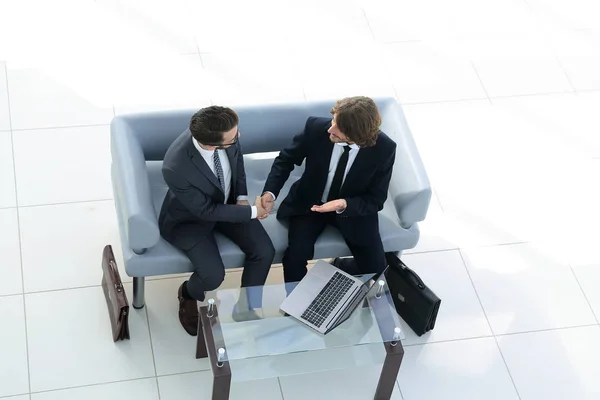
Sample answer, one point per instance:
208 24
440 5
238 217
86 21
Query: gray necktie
219 170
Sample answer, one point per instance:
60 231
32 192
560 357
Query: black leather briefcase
414 301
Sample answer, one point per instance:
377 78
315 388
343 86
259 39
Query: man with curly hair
345 183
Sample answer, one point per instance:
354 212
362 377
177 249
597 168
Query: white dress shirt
336 154
207 155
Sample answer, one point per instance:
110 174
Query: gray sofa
139 143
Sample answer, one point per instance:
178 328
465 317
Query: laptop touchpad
312 284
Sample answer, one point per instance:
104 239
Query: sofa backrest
263 128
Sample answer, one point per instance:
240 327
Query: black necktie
336 184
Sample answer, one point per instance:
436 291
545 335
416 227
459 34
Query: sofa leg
138 292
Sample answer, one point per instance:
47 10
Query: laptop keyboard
327 299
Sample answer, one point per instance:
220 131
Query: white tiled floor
466 369
7 175
522 290
364 71
45 96
181 86
11 282
252 77
557 364
70 342
143 388
192 386
58 256
463 316
510 67
171 345
431 71
502 97
4 115
13 347
89 166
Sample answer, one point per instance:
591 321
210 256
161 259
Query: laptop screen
370 280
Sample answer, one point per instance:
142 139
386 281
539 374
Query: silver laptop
326 297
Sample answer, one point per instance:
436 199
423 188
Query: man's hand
267 201
242 203
333 205
261 212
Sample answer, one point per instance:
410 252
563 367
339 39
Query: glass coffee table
245 337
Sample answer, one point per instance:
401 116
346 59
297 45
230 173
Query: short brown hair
210 123
358 118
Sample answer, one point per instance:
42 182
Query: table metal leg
389 371
201 351
205 347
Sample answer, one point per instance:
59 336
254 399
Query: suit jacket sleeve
287 159
201 205
242 188
374 198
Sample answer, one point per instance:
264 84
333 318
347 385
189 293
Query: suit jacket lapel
201 165
326 160
232 156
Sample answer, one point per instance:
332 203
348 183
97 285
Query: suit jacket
365 187
195 200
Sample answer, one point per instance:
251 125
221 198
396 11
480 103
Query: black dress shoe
348 265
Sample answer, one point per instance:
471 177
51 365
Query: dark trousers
209 272
361 235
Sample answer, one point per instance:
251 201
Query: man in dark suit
204 170
345 183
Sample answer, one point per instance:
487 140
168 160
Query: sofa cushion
166 259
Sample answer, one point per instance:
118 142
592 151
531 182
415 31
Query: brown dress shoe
188 313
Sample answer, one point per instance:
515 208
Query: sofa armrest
410 189
133 197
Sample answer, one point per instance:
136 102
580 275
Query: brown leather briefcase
114 292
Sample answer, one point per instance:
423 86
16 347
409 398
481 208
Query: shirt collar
353 146
201 150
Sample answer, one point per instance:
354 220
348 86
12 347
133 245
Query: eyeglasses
225 145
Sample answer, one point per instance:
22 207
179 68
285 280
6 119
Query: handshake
264 205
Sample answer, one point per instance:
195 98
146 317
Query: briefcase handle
404 268
115 274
